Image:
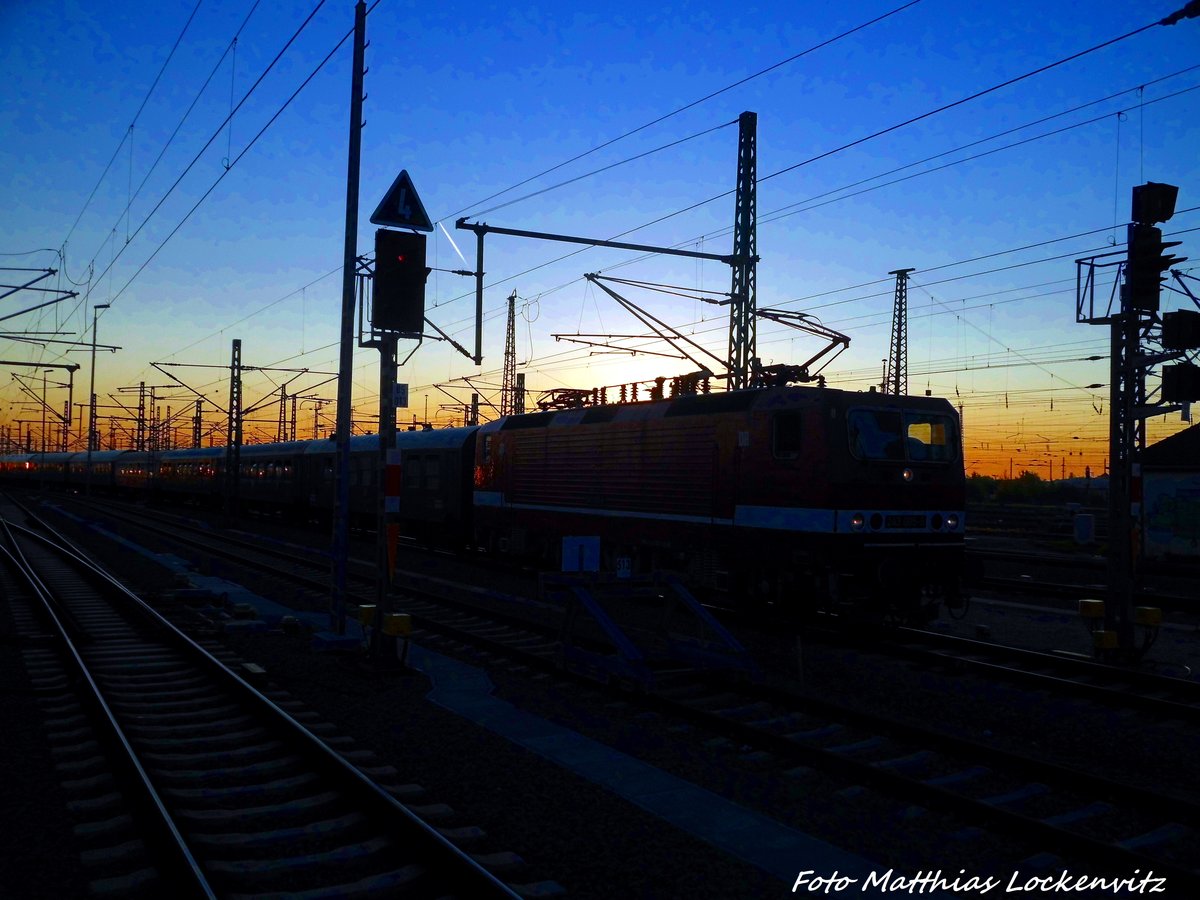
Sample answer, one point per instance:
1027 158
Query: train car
435 481
103 470
436 484
1170 523
51 469
270 476
316 472
135 472
193 475
17 468
773 493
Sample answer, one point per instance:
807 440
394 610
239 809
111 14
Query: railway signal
1181 332
1181 383
1146 266
398 295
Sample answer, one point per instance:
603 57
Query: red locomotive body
784 493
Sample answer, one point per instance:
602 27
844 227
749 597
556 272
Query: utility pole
383 647
896 380
233 437
141 417
341 513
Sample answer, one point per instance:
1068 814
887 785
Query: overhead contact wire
238 158
687 106
133 122
217 134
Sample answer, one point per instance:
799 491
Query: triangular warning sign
401 207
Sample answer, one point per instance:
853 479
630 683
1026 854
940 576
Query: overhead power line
183 119
214 136
225 171
909 121
133 122
685 107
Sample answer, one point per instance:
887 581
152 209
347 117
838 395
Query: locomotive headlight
857 521
907 474
952 521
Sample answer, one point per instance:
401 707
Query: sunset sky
599 120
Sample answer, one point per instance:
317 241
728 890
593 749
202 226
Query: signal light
1154 202
398 294
1181 330
1145 266
1181 383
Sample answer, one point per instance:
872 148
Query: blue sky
472 99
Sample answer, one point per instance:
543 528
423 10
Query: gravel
595 844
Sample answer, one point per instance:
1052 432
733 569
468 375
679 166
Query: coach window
412 472
433 471
786 435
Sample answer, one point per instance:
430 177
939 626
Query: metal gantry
741 361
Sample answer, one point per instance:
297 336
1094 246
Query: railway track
1087 820
1126 688
190 780
1082 817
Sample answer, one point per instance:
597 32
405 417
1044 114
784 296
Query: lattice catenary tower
896 380
508 385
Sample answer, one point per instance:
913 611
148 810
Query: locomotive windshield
902 436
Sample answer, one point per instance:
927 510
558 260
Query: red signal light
398 293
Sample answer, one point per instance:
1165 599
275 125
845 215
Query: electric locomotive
807 497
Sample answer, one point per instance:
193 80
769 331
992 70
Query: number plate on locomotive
912 521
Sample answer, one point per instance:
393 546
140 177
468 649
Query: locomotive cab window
930 438
786 435
875 434
912 436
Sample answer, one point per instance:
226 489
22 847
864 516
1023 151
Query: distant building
1171 496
